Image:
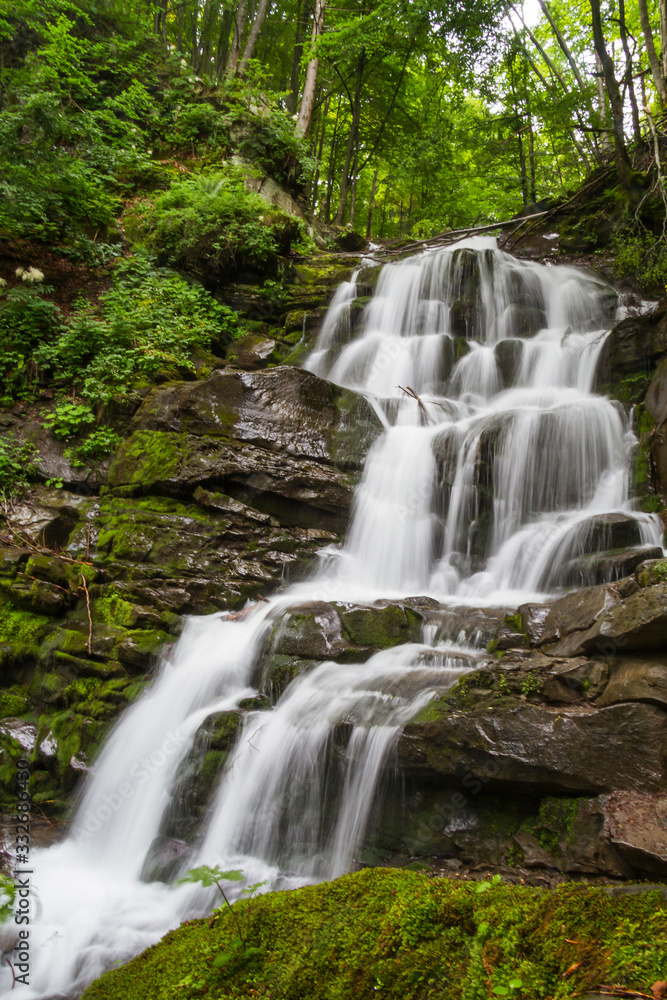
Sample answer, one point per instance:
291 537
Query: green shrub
68 419
144 328
211 225
16 466
640 254
27 318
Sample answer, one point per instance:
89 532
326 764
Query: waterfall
496 471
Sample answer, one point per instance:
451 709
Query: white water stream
484 490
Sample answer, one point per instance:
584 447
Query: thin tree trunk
253 36
636 128
621 157
293 96
663 38
353 199
371 206
351 144
239 25
563 44
310 83
653 61
222 50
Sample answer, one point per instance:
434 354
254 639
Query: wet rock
636 824
610 531
508 355
381 628
636 679
604 567
282 435
639 622
574 613
253 351
579 750
652 571
311 631
634 345
278 670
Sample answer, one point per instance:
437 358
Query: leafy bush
145 328
27 319
270 141
98 444
68 419
641 254
211 225
16 466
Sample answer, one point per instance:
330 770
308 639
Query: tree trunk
235 50
353 200
628 71
310 83
352 141
222 49
621 157
653 61
663 38
563 44
253 36
371 206
293 97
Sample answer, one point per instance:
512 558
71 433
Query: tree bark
352 141
653 61
562 43
310 83
253 36
628 71
235 50
621 157
371 206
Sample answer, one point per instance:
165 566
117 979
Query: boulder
284 434
602 567
636 824
519 745
635 344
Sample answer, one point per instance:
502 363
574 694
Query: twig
409 391
90 620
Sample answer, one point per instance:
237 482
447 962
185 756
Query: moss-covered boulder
410 936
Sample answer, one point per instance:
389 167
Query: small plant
488 884
17 466
503 685
531 685
98 444
505 991
205 875
68 419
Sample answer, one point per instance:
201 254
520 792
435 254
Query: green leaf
516 984
501 991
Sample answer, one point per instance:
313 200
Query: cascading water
494 476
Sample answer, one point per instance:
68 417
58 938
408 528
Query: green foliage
27 318
98 444
640 254
7 897
17 466
145 328
237 950
68 419
210 224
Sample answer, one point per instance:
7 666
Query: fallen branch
409 391
90 620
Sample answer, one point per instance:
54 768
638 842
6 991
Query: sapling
207 876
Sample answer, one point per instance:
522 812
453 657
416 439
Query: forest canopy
392 117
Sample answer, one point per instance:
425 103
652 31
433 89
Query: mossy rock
381 628
414 935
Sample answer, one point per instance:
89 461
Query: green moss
381 628
404 936
13 701
113 610
22 627
147 457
